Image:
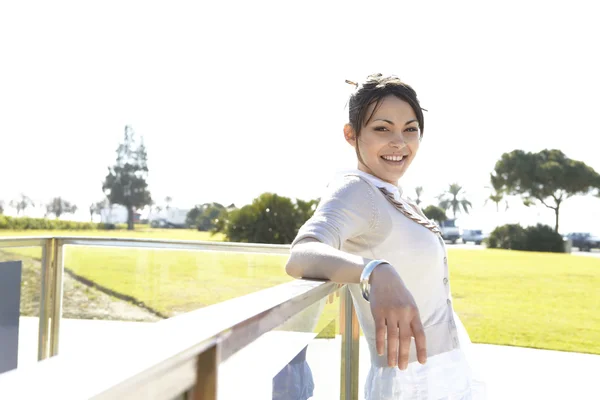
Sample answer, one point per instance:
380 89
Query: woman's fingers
392 339
420 342
405 337
380 334
399 336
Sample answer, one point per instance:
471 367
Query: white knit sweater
354 216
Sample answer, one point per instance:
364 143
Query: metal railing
187 363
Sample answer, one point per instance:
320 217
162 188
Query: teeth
393 158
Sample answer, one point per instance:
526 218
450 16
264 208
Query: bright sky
238 98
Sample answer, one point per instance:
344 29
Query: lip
395 155
394 163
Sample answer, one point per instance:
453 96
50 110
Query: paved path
587 253
511 372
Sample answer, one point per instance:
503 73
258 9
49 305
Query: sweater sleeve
347 210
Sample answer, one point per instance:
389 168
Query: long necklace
426 222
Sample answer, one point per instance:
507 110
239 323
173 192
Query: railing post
45 299
57 294
350 330
207 375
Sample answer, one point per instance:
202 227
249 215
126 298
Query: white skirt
447 376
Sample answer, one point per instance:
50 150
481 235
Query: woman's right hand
396 314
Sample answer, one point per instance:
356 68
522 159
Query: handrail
179 365
23 241
30 241
52 269
164 362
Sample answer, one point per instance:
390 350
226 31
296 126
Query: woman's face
390 140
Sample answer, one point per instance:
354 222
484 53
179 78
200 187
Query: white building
172 217
117 214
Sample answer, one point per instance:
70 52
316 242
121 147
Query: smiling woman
366 234
385 128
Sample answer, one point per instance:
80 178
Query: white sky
242 97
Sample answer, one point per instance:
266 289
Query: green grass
548 301
539 300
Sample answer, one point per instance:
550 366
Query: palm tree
496 198
22 203
96 208
449 200
419 192
497 193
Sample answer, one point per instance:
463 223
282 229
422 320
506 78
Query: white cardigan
354 216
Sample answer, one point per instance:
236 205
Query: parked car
473 235
584 241
450 231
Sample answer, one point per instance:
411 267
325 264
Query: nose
398 141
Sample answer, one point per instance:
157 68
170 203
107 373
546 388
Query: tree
548 177
269 219
419 192
203 216
58 206
496 196
96 208
168 200
449 200
305 210
126 182
1 207
435 213
22 203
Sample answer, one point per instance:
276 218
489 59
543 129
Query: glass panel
111 294
29 305
299 360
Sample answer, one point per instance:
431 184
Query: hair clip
352 83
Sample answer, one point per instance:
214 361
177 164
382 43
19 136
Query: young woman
366 234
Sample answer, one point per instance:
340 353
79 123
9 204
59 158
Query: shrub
510 237
435 213
534 238
107 226
26 223
544 238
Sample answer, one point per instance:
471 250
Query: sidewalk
512 373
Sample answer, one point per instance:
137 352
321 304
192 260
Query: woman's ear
350 135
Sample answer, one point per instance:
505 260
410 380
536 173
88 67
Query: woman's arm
312 259
393 307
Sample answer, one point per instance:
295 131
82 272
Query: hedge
26 223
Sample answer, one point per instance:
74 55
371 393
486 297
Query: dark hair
372 91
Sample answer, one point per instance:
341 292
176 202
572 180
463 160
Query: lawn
538 300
